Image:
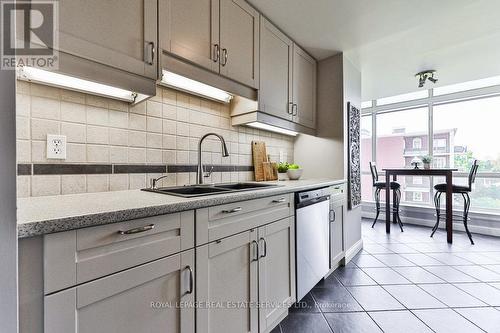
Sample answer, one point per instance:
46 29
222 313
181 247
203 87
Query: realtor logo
29 34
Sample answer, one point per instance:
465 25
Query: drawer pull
233 210
265 248
280 200
137 230
255 249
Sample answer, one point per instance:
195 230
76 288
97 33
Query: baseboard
477 229
352 251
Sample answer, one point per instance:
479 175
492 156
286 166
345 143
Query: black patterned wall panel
354 164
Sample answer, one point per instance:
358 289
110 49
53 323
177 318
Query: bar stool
464 191
379 186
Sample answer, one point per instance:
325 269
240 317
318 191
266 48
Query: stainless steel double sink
190 191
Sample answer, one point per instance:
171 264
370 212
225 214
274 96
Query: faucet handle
209 173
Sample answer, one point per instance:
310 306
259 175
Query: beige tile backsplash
162 130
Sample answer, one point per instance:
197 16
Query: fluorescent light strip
183 83
69 82
272 128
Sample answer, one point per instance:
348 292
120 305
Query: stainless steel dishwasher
312 238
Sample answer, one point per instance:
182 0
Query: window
366 104
476 84
366 157
403 98
417 196
439 143
439 162
418 180
417 143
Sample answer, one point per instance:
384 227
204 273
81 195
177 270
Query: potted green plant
294 172
282 170
427 161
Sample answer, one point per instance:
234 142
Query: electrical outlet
56 147
282 156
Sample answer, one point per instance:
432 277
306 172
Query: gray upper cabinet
304 88
239 40
117 33
146 298
276 52
190 30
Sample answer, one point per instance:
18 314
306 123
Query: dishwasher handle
313 201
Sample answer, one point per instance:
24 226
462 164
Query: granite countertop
43 215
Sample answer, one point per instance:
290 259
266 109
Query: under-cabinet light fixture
59 80
271 128
194 87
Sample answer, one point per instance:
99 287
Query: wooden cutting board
259 154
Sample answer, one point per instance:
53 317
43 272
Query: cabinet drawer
78 256
225 220
338 193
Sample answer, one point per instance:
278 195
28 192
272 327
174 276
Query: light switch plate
56 147
282 156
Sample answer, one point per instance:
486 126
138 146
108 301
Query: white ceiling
391 40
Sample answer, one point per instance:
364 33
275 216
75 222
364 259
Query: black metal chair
464 191
379 186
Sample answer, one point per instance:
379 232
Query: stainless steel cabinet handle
150 53
136 230
295 109
233 210
256 247
280 200
216 54
265 248
191 280
225 55
290 108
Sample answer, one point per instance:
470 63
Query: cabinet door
304 88
276 52
142 299
336 234
276 271
190 29
117 33
239 38
227 280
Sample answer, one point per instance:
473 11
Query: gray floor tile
307 304
305 322
446 321
418 275
359 322
330 282
450 274
353 277
482 291
496 285
399 321
449 259
393 260
494 268
480 273
367 260
478 258
486 318
413 297
335 300
374 298
385 275
421 259
400 248
277 329
451 295
375 249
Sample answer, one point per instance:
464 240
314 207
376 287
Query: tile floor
407 282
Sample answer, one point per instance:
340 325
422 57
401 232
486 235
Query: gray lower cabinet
276 272
236 273
337 214
117 33
227 282
146 298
